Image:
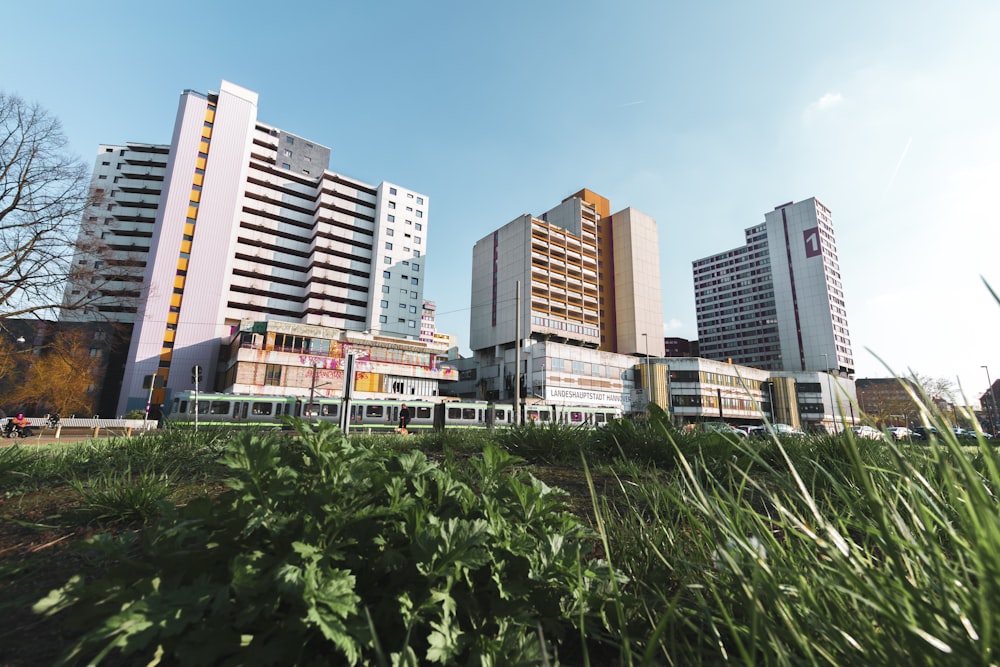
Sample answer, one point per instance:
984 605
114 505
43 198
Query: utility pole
517 353
829 386
645 380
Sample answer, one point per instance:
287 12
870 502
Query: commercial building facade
777 302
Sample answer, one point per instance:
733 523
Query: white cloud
825 103
672 325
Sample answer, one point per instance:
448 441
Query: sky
702 115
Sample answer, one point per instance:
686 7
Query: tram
376 414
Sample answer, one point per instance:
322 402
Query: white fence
93 426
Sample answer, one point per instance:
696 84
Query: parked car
773 429
866 432
899 432
719 427
924 432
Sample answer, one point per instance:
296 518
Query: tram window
422 412
182 408
469 413
544 416
373 411
202 407
454 413
330 410
219 408
310 409
262 408
576 417
599 417
500 415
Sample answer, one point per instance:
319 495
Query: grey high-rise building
777 302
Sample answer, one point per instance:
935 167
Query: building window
388 245
392 204
418 227
414 281
382 319
385 289
389 232
391 218
413 295
416 239
387 274
415 267
416 253
402 305
420 200
285 165
420 214
411 324
383 303
290 140
387 260
288 153
392 191
272 375
413 309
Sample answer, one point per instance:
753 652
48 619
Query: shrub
323 548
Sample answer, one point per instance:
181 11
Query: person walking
404 419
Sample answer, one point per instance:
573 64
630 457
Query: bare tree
936 388
43 192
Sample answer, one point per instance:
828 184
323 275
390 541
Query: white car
899 432
866 432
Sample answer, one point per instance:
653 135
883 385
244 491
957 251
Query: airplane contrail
899 164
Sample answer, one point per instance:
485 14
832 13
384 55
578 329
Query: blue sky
702 115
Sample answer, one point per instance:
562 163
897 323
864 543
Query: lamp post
645 379
312 392
829 387
770 396
993 395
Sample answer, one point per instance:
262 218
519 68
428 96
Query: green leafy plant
123 496
321 547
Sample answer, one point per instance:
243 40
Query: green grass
695 548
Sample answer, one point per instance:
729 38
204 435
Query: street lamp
645 379
993 395
829 387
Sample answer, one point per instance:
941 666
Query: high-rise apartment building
237 221
777 302
587 277
562 303
117 230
